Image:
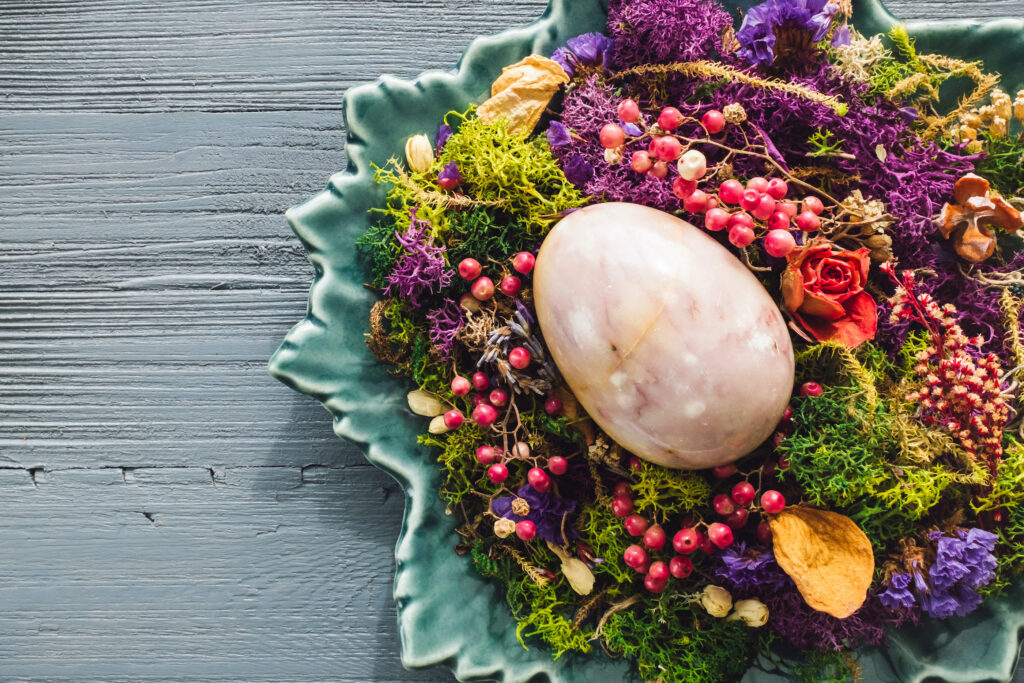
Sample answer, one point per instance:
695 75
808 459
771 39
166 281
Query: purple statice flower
632 130
421 268
757 34
656 31
750 570
963 562
578 170
897 595
588 49
548 512
450 173
441 139
841 37
445 323
558 135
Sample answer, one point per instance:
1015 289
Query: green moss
1003 164
659 492
674 642
546 615
458 459
380 250
606 536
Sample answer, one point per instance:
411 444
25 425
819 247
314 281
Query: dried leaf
827 556
522 93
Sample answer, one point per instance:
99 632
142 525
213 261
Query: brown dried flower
503 528
734 113
522 93
520 506
828 557
968 222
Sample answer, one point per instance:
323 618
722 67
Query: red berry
714 121
743 493
764 533
773 502
680 567
461 386
447 183
783 463
642 569
683 188
612 136
789 208
526 530
741 236
758 184
558 465
479 399
480 381
750 199
768 470
720 534
654 586
654 538
510 285
707 547
787 414
778 221
484 415
523 262
724 471
634 464
777 188
687 540
634 556
497 473
712 203
738 519
731 192
553 405
723 504
779 243
665 148
622 506
808 222
482 289
629 111
716 219
485 455
453 419
498 398
659 170
622 489
696 202
635 525
519 358
670 118
642 162
764 209
814 205
812 389
539 479
658 571
469 269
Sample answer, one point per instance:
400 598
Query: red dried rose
824 292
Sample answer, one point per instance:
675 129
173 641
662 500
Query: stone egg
670 344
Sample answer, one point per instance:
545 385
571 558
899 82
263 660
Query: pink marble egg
671 345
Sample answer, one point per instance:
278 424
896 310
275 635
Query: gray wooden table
167 511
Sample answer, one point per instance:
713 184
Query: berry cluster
758 209
483 289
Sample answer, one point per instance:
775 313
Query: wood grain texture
167 511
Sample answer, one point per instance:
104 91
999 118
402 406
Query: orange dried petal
827 556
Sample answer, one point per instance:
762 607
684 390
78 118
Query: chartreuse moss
1006 498
457 458
1003 163
661 493
548 616
675 641
607 537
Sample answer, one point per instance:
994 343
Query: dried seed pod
437 426
576 571
419 153
521 506
424 403
753 613
503 528
716 600
828 557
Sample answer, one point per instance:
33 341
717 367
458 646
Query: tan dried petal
424 403
522 93
827 556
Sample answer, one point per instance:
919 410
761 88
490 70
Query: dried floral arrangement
883 226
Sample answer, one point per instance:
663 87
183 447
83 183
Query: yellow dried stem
708 70
528 568
1010 306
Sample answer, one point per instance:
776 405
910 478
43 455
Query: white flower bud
693 165
419 153
504 528
424 403
716 600
753 613
437 426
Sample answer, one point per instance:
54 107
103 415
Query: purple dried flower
421 268
652 31
548 512
558 135
441 139
842 36
449 177
896 595
632 130
578 170
757 34
445 323
750 570
590 49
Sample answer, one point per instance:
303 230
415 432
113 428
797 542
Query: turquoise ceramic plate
447 614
